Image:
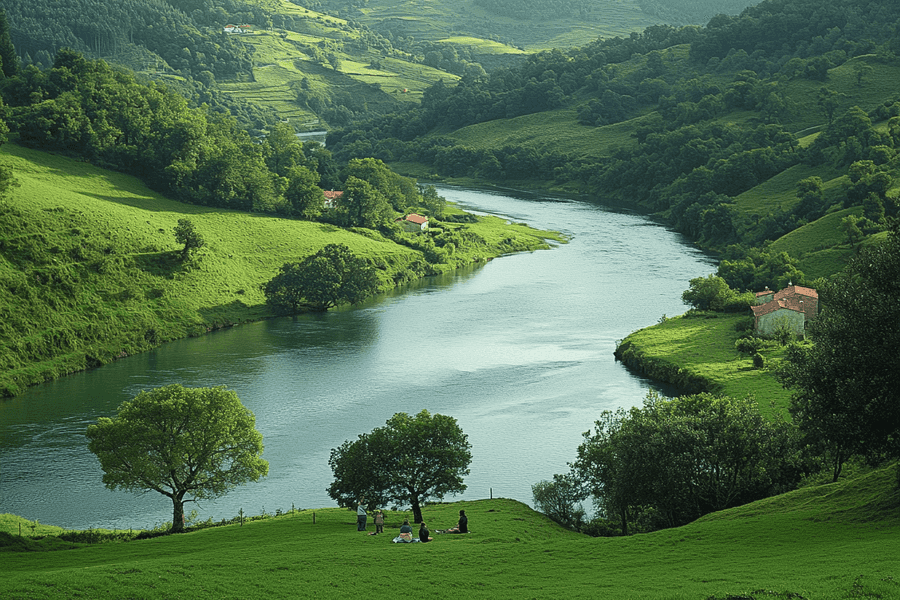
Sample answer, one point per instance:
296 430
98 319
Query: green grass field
825 542
704 347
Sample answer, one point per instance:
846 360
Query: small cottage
794 305
414 223
331 198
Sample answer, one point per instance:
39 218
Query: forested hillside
737 133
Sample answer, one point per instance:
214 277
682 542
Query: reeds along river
519 351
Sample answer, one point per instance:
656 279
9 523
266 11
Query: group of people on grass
406 530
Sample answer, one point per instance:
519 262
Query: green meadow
836 541
91 269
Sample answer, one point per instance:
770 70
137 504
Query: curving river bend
519 351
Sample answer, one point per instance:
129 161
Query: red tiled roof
789 302
417 219
332 195
798 290
790 298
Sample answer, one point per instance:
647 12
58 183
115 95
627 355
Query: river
519 351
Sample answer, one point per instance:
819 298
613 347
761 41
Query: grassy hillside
90 270
825 542
282 59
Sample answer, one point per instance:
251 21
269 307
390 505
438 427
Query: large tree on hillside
408 461
846 384
185 443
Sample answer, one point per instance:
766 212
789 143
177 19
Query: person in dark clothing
424 533
462 526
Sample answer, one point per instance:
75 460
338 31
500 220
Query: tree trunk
416 508
178 514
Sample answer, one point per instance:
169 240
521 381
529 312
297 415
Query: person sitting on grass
462 526
424 533
405 533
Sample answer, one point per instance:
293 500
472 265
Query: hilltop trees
185 443
408 461
846 383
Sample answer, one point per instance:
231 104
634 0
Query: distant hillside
716 129
528 24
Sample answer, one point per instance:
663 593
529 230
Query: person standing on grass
360 517
379 522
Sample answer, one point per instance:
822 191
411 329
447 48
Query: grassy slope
283 58
89 266
435 19
833 541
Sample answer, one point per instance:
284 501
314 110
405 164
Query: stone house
795 305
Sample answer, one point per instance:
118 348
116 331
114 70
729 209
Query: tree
9 60
850 225
187 235
331 276
408 461
185 443
713 293
560 500
685 457
845 385
303 193
362 205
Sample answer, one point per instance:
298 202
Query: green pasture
432 19
282 59
556 131
704 346
780 192
824 542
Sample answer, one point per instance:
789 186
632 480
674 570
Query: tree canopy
331 276
185 443
408 461
673 461
845 384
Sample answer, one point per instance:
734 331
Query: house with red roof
414 223
794 305
332 197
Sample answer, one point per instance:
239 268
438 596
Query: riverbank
695 352
92 271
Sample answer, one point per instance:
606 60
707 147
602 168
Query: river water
519 351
